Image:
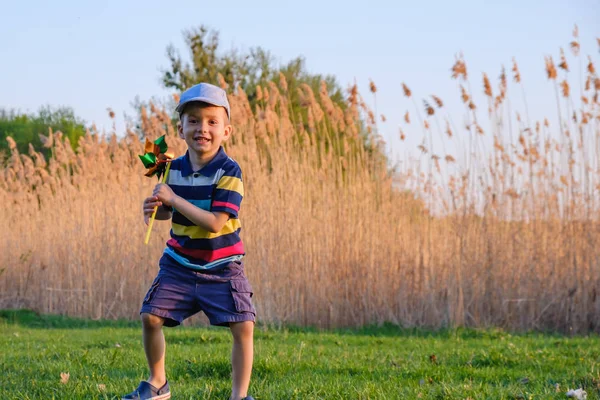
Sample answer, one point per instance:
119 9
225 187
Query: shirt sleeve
229 192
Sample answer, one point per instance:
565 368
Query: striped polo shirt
216 187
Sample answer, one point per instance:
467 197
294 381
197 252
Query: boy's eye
213 122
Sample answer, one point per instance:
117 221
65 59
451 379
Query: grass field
105 359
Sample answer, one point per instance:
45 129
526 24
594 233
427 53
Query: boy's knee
242 330
152 321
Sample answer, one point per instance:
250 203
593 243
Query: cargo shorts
223 294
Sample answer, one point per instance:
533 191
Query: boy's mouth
201 139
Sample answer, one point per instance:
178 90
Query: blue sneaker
248 398
145 391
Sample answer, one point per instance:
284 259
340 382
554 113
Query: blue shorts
223 294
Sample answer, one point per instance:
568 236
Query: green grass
294 363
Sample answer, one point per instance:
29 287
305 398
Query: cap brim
200 99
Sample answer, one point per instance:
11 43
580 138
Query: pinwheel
156 160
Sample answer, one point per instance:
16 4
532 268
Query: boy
201 267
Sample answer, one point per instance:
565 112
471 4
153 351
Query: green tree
249 70
26 128
255 67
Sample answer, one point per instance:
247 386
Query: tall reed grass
506 237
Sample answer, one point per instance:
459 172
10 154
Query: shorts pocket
152 291
241 291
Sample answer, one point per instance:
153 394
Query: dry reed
510 237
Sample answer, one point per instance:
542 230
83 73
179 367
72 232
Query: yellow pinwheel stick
156 155
164 179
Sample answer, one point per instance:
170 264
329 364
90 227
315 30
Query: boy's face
204 127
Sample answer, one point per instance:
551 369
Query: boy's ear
180 129
228 131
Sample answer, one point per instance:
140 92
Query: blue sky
94 55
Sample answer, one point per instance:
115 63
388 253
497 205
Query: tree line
208 62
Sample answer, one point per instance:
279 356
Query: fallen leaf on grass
101 387
64 377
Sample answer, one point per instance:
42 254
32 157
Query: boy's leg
154 347
242 354
225 296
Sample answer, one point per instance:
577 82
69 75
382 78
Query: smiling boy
201 268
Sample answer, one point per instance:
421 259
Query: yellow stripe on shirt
196 232
231 183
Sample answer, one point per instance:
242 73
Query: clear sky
94 55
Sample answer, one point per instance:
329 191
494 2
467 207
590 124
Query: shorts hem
169 320
225 321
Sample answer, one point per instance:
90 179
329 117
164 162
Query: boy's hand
164 194
149 204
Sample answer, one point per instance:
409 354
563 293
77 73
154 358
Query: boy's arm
212 221
226 201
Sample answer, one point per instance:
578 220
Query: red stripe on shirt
226 205
208 255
